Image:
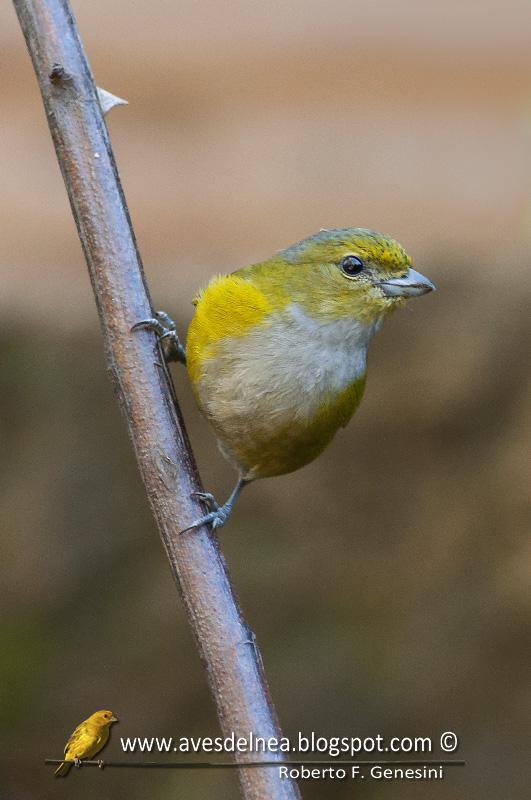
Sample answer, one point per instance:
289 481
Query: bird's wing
75 740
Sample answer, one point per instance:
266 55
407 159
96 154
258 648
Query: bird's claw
77 763
101 763
217 516
164 327
208 499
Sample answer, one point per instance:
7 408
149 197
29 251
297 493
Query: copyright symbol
449 742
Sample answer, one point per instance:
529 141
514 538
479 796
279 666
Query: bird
89 738
276 352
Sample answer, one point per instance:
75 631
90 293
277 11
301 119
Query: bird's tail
62 770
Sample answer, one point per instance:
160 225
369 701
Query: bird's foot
101 763
164 327
78 763
217 515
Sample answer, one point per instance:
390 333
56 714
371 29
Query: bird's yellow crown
102 718
328 246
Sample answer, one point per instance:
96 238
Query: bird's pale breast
277 393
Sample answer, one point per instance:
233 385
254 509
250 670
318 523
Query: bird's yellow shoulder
227 308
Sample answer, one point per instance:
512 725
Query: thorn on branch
109 101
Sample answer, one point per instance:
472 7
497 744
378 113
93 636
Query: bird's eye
106 716
351 265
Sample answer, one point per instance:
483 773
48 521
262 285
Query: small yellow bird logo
89 738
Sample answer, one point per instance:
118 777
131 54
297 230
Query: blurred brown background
388 582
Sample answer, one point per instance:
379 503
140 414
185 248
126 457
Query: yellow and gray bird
89 738
276 352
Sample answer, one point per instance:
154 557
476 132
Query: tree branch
144 390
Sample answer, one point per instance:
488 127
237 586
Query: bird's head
103 719
351 272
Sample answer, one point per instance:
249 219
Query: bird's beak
412 284
113 719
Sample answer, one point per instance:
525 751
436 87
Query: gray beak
411 285
113 719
